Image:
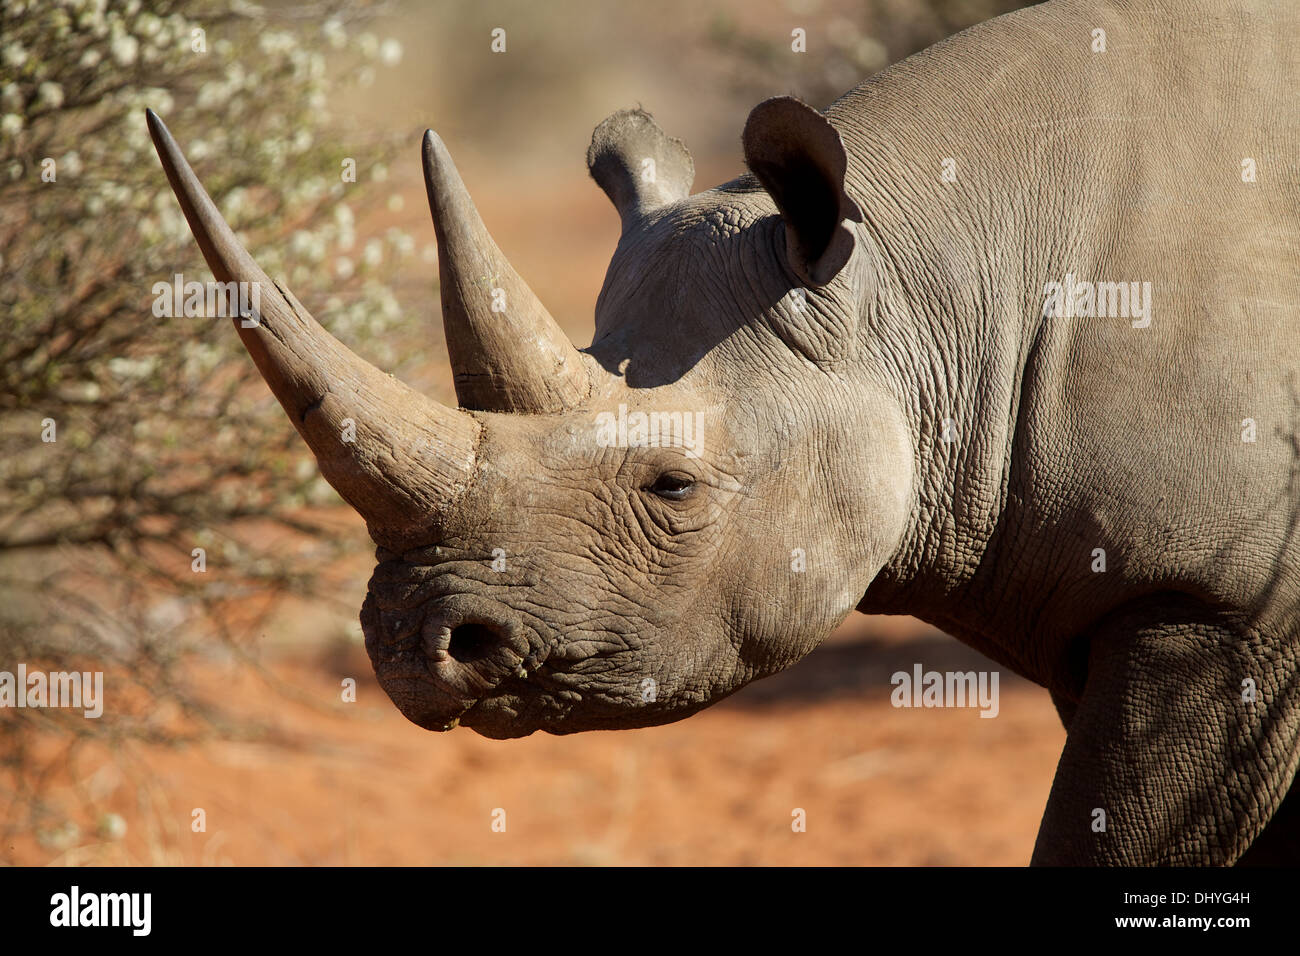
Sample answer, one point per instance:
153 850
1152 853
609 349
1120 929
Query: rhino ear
799 158
638 165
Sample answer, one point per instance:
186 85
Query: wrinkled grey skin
824 425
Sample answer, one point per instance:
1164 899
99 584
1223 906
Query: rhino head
616 536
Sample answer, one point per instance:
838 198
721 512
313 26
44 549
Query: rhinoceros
1005 338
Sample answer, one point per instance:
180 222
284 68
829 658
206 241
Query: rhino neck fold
956 329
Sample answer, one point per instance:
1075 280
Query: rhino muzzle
439 659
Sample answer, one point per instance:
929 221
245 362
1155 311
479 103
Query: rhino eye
673 485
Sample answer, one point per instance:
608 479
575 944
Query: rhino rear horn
507 353
639 167
399 458
798 156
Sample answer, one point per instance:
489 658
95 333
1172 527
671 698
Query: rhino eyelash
673 486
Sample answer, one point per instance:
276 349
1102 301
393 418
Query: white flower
11 124
14 54
308 245
71 163
49 94
124 49
128 368
313 187
390 51
273 150
373 254
369 44
212 94
11 96
334 33
135 133
174 224
161 99
90 59
235 202
402 242
117 195
379 172
343 267
148 25
395 202
276 41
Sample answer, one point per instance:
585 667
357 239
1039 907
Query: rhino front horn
507 353
399 458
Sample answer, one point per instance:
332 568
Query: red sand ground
358 784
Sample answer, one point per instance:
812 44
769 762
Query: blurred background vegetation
166 439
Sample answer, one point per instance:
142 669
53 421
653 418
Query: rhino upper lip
532 671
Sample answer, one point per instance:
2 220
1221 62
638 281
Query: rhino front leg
1168 760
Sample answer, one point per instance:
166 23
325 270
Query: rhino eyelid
672 485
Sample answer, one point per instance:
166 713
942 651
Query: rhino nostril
469 642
